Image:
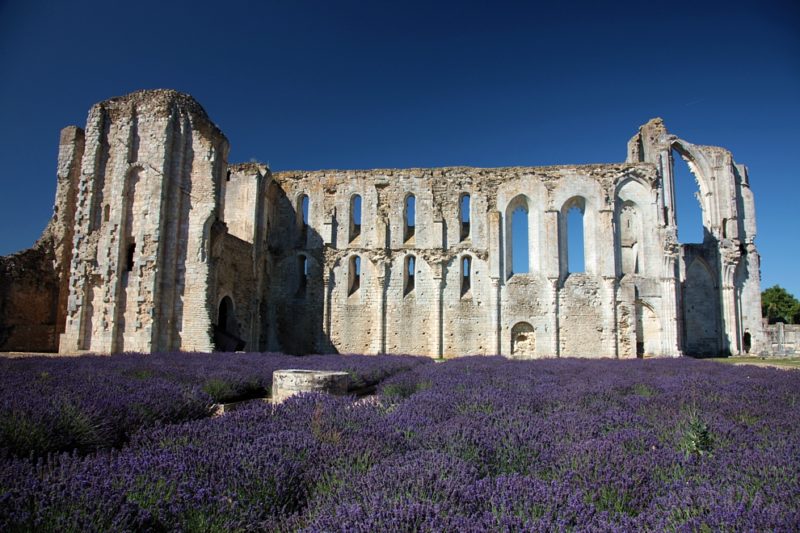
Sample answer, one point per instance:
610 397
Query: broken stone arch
703 176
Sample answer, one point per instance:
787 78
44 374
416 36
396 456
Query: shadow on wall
283 309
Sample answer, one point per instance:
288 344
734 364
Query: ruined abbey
158 243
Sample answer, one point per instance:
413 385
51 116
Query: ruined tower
151 187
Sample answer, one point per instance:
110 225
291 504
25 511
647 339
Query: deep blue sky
306 85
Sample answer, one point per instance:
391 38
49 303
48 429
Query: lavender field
473 444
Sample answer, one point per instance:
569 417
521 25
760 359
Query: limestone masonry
157 243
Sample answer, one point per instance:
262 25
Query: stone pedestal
286 383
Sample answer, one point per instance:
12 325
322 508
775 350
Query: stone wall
158 244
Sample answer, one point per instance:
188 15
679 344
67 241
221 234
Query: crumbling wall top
159 102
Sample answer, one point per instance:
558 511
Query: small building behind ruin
158 243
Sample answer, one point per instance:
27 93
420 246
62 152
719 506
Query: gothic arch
703 176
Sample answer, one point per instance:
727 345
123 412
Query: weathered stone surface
287 383
173 249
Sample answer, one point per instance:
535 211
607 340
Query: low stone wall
286 383
783 339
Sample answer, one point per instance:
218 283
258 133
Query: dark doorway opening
226 331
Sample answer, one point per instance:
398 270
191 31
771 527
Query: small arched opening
523 341
409 275
353 274
747 342
466 275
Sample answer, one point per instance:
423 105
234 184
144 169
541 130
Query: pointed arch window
409 218
409 275
355 217
464 216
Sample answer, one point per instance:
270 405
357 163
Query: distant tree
779 305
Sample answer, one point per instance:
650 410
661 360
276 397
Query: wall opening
355 217
648 330
354 274
464 216
747 342
130 256
688 207
302 275
520 261
409 217
523 341
409 275
302 208
575 239
226 330
466 274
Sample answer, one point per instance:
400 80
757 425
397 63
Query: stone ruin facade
157 243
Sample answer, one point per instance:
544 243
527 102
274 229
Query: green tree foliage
779 305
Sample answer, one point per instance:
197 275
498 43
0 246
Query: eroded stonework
175 249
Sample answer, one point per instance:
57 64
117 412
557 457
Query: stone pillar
327 292
437 313
495 339
606 244
730 335
552 310
383 287
610 329
670 310
496 277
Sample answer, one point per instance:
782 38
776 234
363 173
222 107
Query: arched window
464 215
409 217
409 272
302 214
355 217
574 215
688 208
354 274
466 274
302 275
519 240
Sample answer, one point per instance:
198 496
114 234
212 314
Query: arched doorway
226 330
523 340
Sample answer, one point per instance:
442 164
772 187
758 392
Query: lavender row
93 402
469 445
